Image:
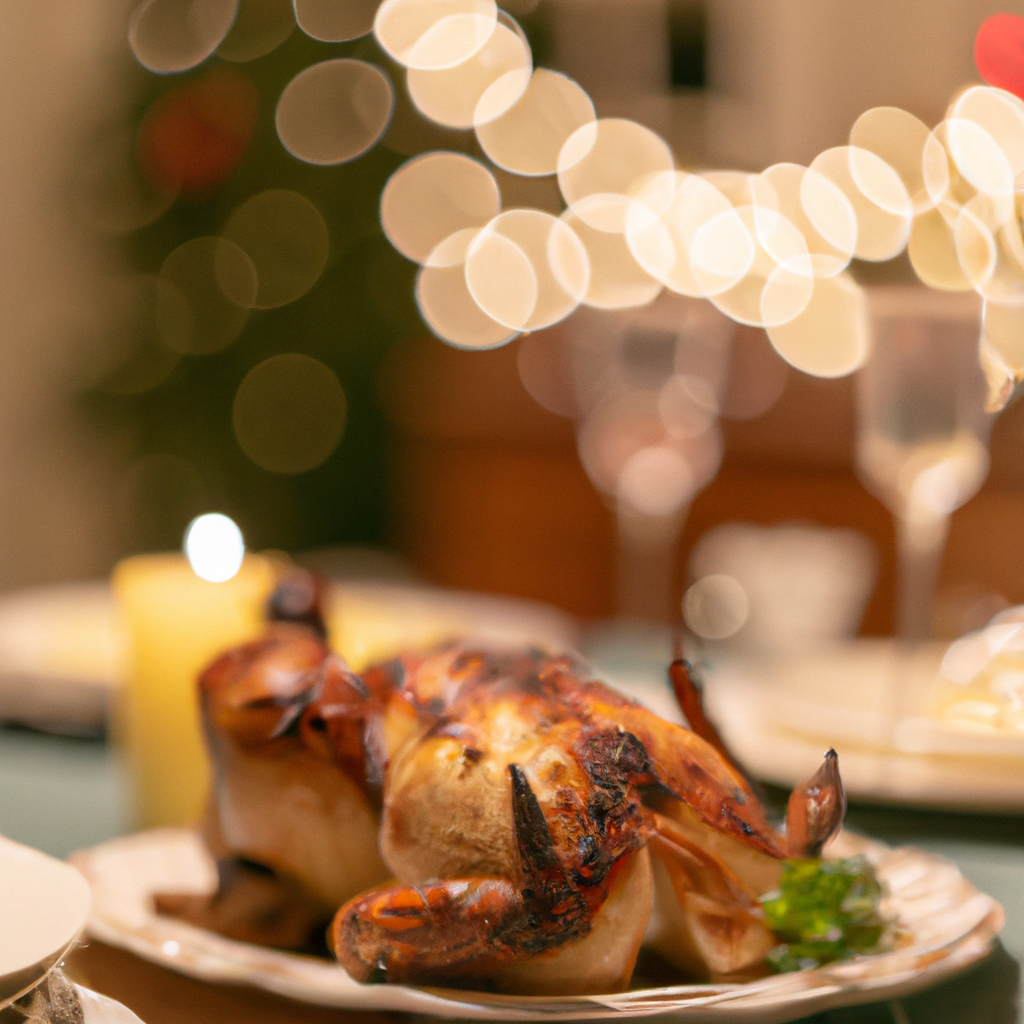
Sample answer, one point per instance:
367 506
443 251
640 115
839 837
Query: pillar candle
177 623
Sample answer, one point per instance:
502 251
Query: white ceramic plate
867 700
952 925
44 904
99 1009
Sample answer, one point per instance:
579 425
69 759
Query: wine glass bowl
648 383
922 429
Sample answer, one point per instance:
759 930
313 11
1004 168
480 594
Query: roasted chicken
521 818
535 825
292 818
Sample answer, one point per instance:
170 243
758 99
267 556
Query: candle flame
214 547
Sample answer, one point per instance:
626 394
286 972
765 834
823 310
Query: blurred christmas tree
207 137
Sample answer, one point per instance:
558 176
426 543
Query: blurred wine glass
648 383
922 434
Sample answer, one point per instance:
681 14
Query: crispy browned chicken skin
519 818
530 818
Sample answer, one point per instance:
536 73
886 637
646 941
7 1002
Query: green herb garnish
823 910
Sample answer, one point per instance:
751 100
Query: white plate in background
868 699
63 655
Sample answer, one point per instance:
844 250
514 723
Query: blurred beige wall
786 78
59 70
789 77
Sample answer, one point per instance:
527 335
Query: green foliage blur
362 303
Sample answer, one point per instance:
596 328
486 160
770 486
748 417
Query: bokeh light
883 216
776 286
433 196
662 222
617 280
285 236
656 481
899 139
768 250
716 607
214 547
933 254
289 413
1001 115
978 157
334 22
259 28
558 260
997 48
879 182
501 279
609 158
195 135
452 96
723 251
529 136
740 188
213 286
446 303
431 35
940 173
168 36
989 244
334 111
798 190
976 246
830 338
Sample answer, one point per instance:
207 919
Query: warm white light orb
716 606
214 547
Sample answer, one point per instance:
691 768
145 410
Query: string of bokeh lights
770 250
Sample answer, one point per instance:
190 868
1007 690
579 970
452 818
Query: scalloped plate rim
220 960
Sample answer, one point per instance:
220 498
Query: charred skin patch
617 763
558 907
614 759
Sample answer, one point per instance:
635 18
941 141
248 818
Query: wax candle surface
177 623
367 627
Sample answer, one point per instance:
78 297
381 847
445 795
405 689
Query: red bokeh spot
999 52
194 136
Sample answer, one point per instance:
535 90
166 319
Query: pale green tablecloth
61 794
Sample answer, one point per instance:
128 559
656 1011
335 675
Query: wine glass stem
648 577
920 542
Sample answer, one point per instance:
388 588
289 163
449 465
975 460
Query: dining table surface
62 793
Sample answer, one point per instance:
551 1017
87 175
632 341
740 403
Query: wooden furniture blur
489 493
